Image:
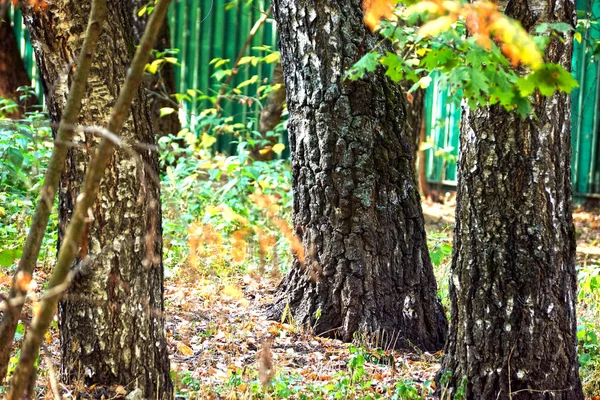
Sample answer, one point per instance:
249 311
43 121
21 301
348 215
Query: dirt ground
217 330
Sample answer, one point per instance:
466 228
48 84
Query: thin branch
260 22
85 200
55 167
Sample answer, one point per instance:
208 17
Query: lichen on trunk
111 319
356 203
513 281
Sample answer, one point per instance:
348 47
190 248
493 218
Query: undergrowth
225 217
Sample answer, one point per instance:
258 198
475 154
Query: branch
234 70
56 165
85 200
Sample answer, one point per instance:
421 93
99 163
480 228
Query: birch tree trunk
356 203
111 320
513 281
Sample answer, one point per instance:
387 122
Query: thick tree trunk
162 84
513 281
111 320
12 69
356 203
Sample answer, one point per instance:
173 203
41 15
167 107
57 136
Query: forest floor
222 346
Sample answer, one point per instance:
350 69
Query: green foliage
468 70
440 251
214 190
25 147
588 328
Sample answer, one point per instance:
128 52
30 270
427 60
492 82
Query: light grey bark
111 320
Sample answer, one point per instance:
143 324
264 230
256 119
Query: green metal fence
443 118
586 105
208 29
204 30
26 50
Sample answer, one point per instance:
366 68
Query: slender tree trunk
162 84
418 134
111 320
513 281
356 203
270 115
12 69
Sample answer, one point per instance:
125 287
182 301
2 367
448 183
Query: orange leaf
184 349
376 10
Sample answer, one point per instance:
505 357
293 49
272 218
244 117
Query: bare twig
253 31
85 200
55 167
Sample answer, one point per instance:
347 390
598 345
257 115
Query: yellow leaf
233 292
424 82
207 140
423 7
278 148
437 26
264 151
120 390
421 52
184 349
578 37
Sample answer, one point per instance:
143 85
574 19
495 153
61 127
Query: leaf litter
222 346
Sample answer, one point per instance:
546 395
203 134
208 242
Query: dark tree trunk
417 130
12 69
161 85
414 119
356 203
513 281
111 320
270 115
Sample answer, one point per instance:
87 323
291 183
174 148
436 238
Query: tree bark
12 69
356 203
513 281
162 84
111 320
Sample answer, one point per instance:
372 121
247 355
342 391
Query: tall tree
12 69
111 321
356 203
513 282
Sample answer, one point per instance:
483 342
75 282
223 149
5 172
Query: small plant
589 327
25 147
440 251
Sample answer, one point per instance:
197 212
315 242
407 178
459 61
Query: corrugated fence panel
585 106
442 126
443 118
205 29
26 50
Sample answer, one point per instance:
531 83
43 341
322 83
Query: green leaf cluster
480 76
